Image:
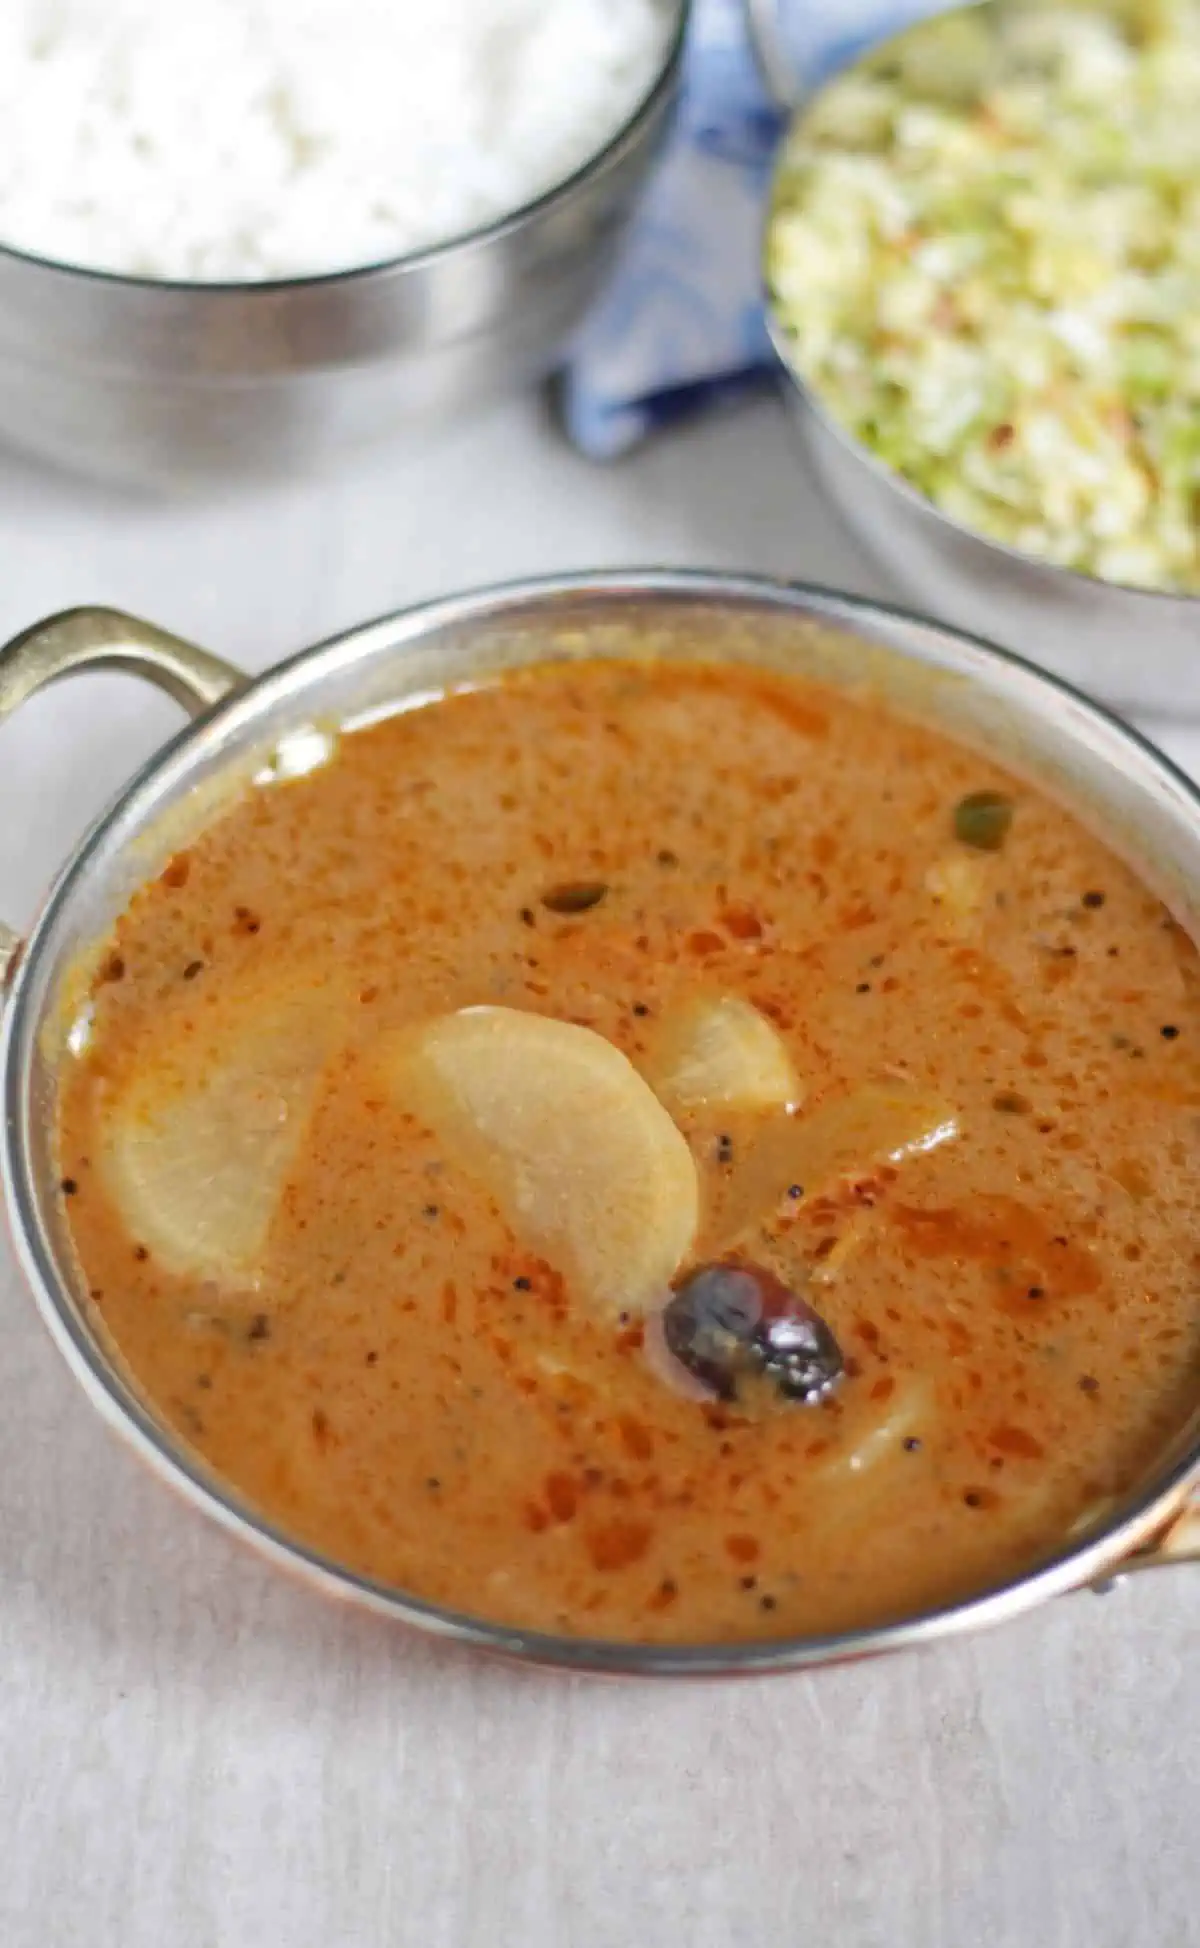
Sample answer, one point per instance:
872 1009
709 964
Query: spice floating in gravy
650 1152
733 1324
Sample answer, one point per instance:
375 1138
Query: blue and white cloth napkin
681 323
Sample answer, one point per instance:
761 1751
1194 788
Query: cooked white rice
250 139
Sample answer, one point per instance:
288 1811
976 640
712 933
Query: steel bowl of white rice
244 237
983 277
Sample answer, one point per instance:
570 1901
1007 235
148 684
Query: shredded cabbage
985 256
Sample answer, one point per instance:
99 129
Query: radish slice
199 1145
807 1155
559 1127
719 1052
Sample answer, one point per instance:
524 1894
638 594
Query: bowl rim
428 256
1092 1557
1020 559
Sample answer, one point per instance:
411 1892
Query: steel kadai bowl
975 692
186 386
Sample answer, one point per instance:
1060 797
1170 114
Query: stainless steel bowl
975 692
1134 647
178 385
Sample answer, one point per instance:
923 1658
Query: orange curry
653 1152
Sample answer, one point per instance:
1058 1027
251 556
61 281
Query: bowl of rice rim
248 237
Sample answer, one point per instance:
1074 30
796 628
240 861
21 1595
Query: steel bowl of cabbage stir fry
983 275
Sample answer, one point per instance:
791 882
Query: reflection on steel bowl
736 1348
181 385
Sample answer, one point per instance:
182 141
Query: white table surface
196 1754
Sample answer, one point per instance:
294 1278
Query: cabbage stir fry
985 255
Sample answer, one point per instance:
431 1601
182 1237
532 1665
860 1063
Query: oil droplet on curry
653 1152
